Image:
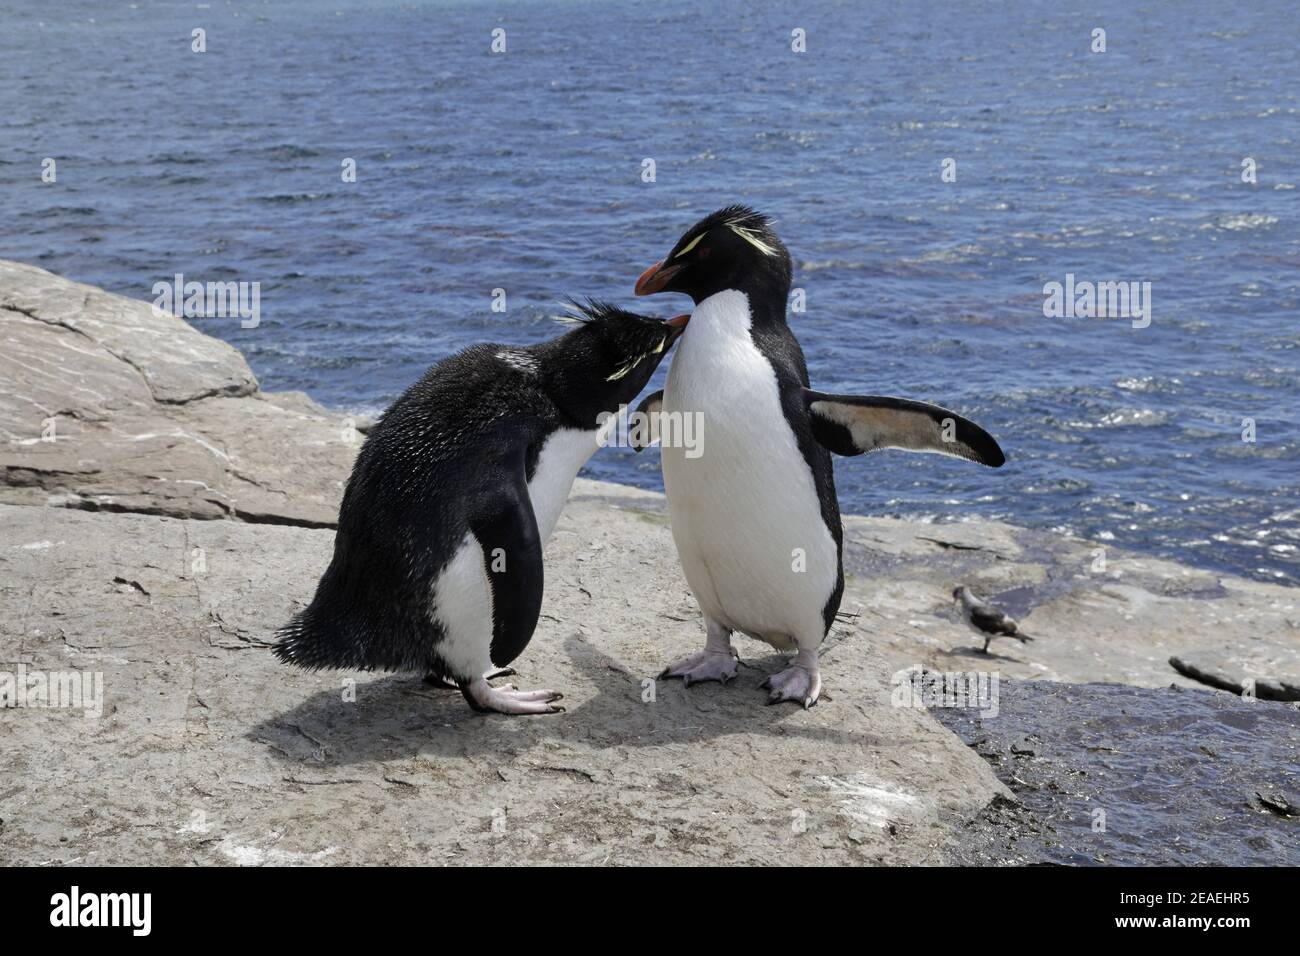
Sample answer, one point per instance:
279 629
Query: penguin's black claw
702 667
808 703
796 685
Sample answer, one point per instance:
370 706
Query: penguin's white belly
745 513
462 604
462 595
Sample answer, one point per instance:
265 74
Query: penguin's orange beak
678 324
655 278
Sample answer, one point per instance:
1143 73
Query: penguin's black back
432 464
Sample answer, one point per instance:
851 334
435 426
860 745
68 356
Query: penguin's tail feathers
307 642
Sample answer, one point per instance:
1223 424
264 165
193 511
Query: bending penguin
754 515
437 562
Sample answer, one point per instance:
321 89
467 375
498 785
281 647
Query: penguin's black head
606 359
734 248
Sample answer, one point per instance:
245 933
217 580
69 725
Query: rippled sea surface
523 171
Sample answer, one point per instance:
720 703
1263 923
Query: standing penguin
754 515
438 556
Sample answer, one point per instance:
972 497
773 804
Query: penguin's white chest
745 513
561 458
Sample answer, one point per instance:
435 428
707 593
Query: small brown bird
986 620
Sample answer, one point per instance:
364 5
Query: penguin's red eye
704 252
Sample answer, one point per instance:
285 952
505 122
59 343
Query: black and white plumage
437 562
986 620
755 516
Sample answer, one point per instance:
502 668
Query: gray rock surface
1120 621
173 361
108 404
208 750
1273 674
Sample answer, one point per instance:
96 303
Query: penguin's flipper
646 432
512 555
855 424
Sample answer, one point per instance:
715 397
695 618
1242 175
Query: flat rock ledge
203 749
109 404
1242 672
210 751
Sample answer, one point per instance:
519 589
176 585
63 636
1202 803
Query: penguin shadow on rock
765 458
397 716
437 565
617 714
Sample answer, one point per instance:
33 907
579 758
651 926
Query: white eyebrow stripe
637 360
692 244
625 369
752 239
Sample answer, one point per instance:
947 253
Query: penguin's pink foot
705 665
801 682
506 699
446 683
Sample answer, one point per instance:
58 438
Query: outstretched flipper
646 431
856 424
506 530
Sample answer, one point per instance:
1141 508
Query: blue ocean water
523 171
